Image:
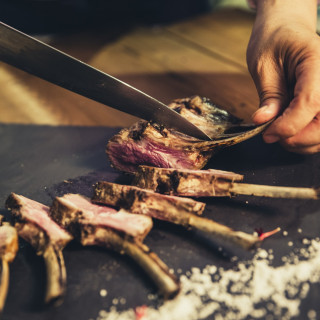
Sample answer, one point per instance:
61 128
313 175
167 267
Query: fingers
298 118
307 140
270 83
269 111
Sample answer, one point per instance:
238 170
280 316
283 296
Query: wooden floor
201 56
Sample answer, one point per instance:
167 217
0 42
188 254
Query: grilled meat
211 183
146 143
48 239
121 231
181 211
140 201
184 182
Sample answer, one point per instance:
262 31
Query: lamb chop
121 231
146 143
8 251
48 239
181 211
211 183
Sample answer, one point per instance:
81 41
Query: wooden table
201 56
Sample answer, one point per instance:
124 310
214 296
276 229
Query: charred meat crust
184 182
31 232
151 144
137 200
170 208
74 220
89 234
146 143
48 245
211 183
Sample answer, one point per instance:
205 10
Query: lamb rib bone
121 231
8 251
48 239
211 183
181 211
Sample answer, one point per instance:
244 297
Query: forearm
302 12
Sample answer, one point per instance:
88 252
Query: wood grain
204 55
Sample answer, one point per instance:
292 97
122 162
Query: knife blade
33 56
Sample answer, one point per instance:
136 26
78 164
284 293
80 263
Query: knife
48 63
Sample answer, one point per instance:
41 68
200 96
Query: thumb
273 94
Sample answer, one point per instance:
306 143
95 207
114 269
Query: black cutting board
41 162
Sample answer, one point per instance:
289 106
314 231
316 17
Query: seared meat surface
178 210
121 231
141 201
211 183
184 182
146 143
48 239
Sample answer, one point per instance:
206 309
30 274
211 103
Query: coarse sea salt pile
254 290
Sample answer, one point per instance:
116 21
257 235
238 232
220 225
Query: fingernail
270 138
267 109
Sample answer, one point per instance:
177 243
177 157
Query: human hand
283 58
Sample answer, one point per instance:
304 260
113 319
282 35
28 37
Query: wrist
287 11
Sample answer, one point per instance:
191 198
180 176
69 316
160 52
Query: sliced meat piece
8 251
121 231
211 183
182 211
48 239
184 182
150 144
146 143
141 201
75 207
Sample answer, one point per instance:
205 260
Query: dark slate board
36 160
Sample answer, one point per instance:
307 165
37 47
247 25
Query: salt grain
103 292
305 241
255 290
312 315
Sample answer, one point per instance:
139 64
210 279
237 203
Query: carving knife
33 56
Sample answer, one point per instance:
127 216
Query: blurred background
50 16
167 48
